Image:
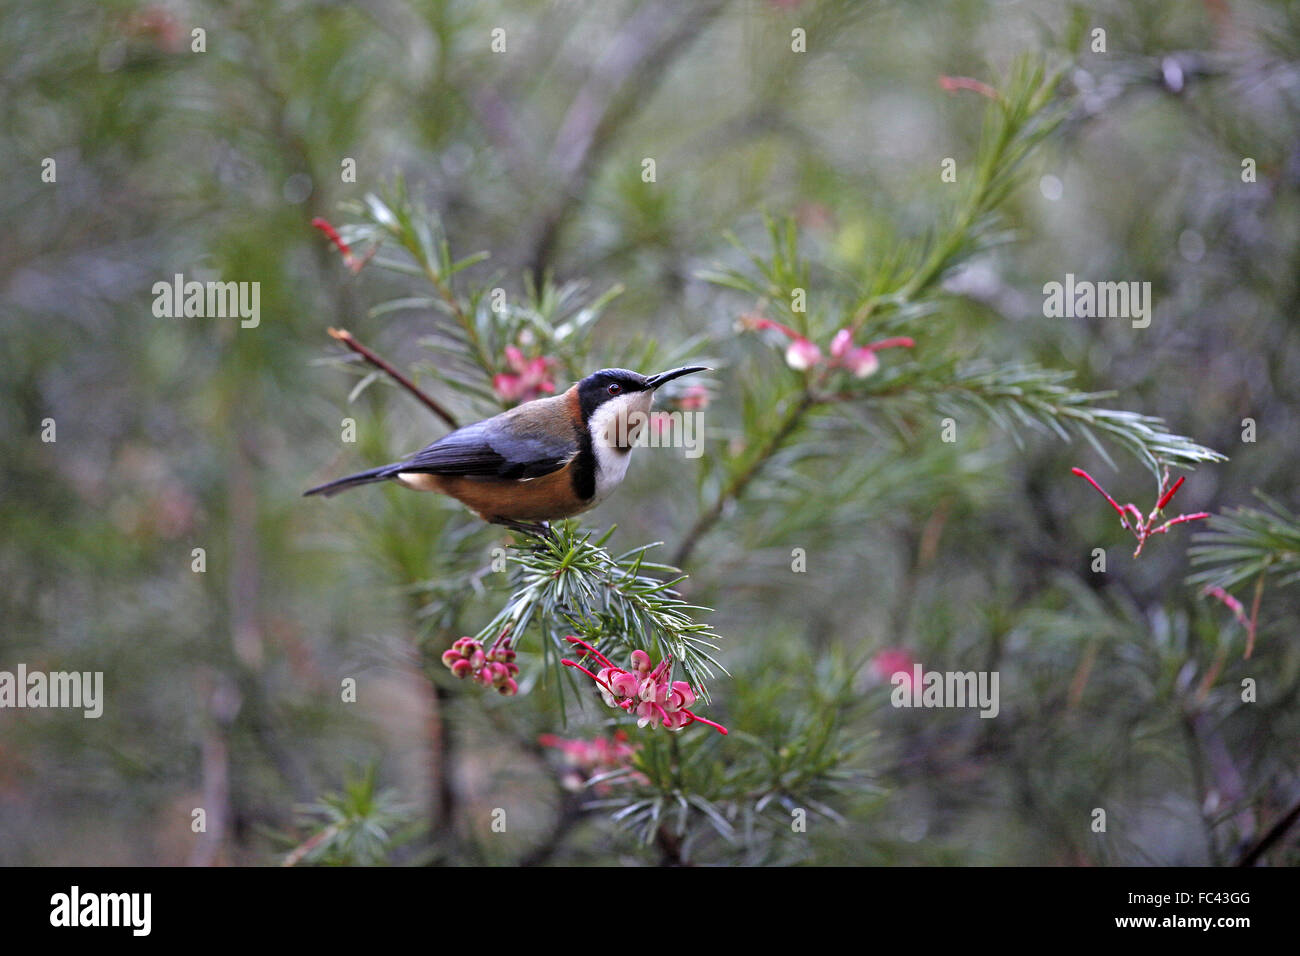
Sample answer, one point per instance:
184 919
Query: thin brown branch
707 519
347 339
1274 834
635 61
1254 617
298 853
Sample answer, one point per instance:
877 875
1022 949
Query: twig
569 816
1196 759
347 339
634 62
298 853
1274 834
1254 617
707 519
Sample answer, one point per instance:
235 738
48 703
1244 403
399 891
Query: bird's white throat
615 427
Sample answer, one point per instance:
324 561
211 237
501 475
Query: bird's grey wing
493 449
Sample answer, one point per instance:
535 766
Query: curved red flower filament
1131 517
591 650
653 689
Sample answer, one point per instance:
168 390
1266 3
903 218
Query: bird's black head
610 383
599 387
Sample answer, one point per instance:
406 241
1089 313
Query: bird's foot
536 529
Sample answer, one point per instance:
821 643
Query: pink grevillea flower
157 24
660 422
354 264
861 359
590 758
528 378
644 689
1130 516
1239 612
694 398
802 354
890 661
494 667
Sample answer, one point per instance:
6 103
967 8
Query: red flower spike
527 378
1239 612
1144 527
1160 505
590 650
467 660
1090 480
332 235
585 759
354 264
802 354
645 688
574 664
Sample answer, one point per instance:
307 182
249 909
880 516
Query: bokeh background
175 434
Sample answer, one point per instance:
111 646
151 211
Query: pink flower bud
862 362
462 668
478 659
695 397
802 354
640 661
508 688
840 344
450 657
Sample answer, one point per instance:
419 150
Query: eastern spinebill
543 460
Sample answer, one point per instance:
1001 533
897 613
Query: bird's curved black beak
654 381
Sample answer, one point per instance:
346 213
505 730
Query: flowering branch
1019 121
1246 544
1239 612
568 584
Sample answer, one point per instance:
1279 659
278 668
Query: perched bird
545 459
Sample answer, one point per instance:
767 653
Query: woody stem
347 339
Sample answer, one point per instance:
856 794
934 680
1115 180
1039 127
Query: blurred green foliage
1120 690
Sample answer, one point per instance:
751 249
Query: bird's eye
615 388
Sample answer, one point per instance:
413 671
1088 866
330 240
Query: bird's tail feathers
351 481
